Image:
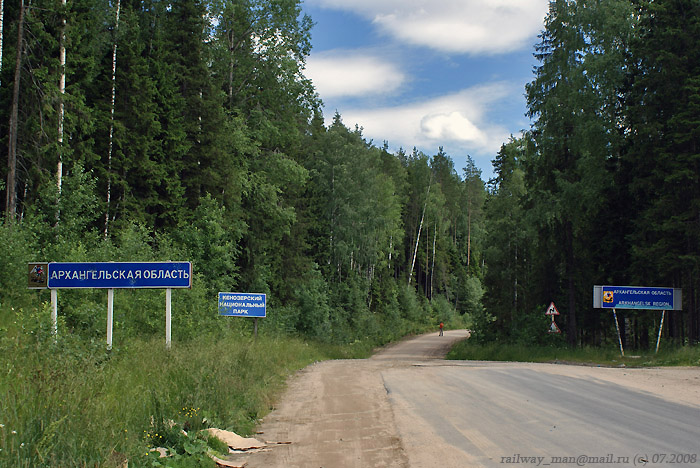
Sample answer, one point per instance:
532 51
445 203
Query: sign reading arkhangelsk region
242 304
637 297
108 275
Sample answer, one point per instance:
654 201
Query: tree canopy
188 129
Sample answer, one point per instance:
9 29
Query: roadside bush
409 304
314 318
442 311
18 246
474 293
532 328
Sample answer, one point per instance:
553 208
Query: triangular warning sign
552 310
554 328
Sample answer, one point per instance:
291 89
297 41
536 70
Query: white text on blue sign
242 304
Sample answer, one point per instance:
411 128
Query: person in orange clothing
441 326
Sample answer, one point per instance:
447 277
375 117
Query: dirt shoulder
338 413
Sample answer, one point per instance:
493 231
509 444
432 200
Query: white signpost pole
168 308
619 337
661 327
110 316
54 313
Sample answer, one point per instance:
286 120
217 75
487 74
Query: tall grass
72 403
675 356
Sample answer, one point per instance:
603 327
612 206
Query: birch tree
420 228
62 93
111 119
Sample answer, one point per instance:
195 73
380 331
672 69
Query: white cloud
454 26
457 121
348 74
452 126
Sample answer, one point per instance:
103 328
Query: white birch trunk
111 121
427 260
391 245
61 105
420 227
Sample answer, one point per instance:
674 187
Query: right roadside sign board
636 297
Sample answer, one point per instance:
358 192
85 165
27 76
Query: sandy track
339 414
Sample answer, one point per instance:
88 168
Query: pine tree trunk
570 273
11 199
469 234
2 23
515 284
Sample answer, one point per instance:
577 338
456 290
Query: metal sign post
54 313
619 337
661 327
168 317
110 316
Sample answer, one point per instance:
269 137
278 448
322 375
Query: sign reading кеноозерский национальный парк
242 304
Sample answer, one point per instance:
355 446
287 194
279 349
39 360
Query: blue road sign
242 304
107 275
637 297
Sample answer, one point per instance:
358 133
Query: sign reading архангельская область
637 297
113 275
242 304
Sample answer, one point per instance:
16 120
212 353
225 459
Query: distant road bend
406 407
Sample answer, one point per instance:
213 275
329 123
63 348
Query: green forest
187 131
141 130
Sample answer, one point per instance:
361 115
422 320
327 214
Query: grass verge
72 403
609 356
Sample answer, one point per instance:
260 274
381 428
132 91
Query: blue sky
427 73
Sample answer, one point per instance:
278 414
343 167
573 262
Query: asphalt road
406 407
503 415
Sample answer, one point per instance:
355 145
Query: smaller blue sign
242 304
635 297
